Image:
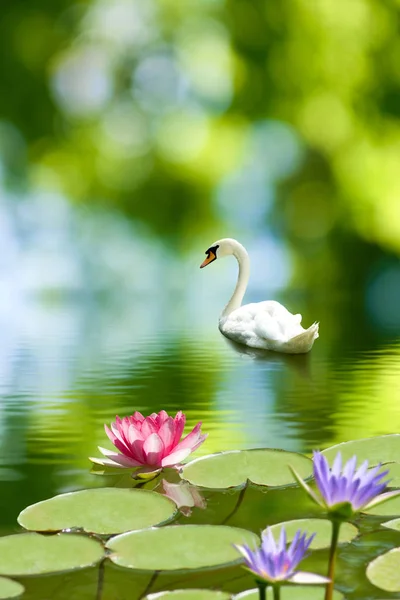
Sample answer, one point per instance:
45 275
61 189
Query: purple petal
321 475
362 470
282 540
273 561
366 494
246 553
337 465
308 542
293 546
269 544
373 475
350 467
341 491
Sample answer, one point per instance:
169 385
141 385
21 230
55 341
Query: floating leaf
391 507
191 595
104 511
394 473
394 524
233 468
380 449
35 554
384 571
298 592
10 588
322 528
179 547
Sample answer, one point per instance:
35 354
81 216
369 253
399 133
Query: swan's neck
240 253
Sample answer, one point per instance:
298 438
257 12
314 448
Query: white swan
267 325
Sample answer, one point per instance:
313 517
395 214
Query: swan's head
219 249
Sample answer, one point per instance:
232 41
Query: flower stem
262 588
100 581
277 592
150 584
332 558
237 505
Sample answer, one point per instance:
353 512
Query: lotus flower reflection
274 563
150 442
345 490
184 495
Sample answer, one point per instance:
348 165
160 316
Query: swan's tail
302 343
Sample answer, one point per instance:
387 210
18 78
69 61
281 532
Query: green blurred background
193 119
134 133
178 115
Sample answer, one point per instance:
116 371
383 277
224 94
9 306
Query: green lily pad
35 554
393 524
104 511
290 592
233 468
380 449
179 547
322 528
191 595
386 509
10 588
384 571
394 474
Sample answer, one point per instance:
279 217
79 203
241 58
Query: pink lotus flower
153 441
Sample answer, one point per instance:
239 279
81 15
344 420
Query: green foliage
389 508
377 450
104 511
35 554
384 571
179 547
169 121
10 588
393 524
259 466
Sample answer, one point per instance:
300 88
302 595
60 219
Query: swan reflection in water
299 363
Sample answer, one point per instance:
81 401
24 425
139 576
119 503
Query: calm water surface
68 367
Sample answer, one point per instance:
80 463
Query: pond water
68 366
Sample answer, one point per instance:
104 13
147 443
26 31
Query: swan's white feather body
267 325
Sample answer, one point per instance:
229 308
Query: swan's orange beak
211 256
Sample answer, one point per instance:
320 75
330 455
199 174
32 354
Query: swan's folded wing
281 326
268 327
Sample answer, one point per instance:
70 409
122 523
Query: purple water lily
346 484
274 563
344 489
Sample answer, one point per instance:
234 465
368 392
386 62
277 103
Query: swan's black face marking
211 256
